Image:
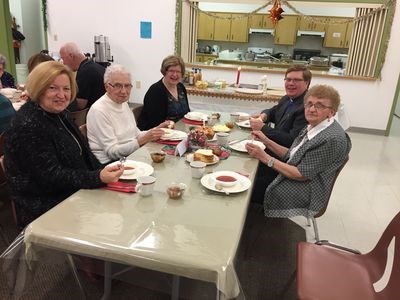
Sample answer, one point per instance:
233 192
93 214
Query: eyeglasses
120 86
317 106
174 72
294 80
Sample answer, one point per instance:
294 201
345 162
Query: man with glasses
89 76
111 127
288 114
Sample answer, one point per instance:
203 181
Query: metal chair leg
76 276
175 287
308 222
315 229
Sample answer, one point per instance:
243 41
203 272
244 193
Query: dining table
195 236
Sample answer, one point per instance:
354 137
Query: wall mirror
351 37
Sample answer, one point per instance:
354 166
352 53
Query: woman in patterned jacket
46 157
300 180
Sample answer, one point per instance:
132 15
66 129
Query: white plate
248 91
173 135
244 124
240 146
196 116
243 183
142 169
189 159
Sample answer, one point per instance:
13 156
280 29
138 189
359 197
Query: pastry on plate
204 155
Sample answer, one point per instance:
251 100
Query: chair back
83 130
137 110
2 172
323 209
79 117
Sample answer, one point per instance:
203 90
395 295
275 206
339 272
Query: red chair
330 272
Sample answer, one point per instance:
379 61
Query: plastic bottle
191 78
199 75
195 76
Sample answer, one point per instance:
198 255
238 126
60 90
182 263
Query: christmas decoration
275 12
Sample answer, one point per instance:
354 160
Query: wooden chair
137 110
79 117
83 130
330 272
322 211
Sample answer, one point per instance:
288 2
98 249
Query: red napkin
192 122
165 142
121 187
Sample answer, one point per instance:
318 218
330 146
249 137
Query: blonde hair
171 61
43 76
323 91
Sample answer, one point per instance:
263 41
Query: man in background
288 114
89 76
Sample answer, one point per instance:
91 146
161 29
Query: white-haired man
111 125
89 76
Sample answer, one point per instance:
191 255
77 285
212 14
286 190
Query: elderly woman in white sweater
111 126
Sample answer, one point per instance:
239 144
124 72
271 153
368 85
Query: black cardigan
155 105
46 160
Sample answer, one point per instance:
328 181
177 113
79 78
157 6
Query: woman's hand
111 173
167 124
153 134
260 136
256 152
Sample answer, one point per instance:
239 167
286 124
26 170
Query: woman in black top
46 157
167 98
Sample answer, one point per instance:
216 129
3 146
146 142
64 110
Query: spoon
219 187
122 160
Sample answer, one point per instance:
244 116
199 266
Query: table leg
175 287
107 280
76 276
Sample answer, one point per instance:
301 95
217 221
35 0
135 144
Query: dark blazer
46 160
288 123
155 105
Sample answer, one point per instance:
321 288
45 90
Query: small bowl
225 180
176 190
230 124
216 149
157 156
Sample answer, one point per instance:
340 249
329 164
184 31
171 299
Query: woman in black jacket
167 98
46 157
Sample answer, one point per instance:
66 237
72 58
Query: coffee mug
222 138
198 168
235 117
145 185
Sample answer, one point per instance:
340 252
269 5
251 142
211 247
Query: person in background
89 76
288 114
111 125
6 79
303 174
46 157
166 99
7 113
38 58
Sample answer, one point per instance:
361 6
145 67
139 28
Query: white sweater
112 130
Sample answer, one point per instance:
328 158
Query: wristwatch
270 162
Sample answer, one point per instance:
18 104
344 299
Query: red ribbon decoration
275 12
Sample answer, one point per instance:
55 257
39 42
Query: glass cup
145 185
198 168
235 117
222 138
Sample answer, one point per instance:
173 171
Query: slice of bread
204 155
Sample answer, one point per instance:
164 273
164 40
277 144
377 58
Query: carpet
265 264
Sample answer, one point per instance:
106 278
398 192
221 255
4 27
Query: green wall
6 47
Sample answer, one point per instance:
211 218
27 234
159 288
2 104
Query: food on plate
226 180
204 155
220 127
230 124
208 131
157 156
201 84
129 168
216 149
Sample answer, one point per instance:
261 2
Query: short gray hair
113 69
3 60
70 48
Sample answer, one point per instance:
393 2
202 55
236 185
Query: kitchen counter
230 93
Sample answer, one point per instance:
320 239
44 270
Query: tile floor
366 195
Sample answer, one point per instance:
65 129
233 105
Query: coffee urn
102 50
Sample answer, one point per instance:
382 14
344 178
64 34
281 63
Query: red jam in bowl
226 178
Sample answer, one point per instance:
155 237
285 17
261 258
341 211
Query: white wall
80 21
368 103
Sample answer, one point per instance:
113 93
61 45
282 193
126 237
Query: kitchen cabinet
316 24
349 32
260 21
286 30
205 29
335 34
234 30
